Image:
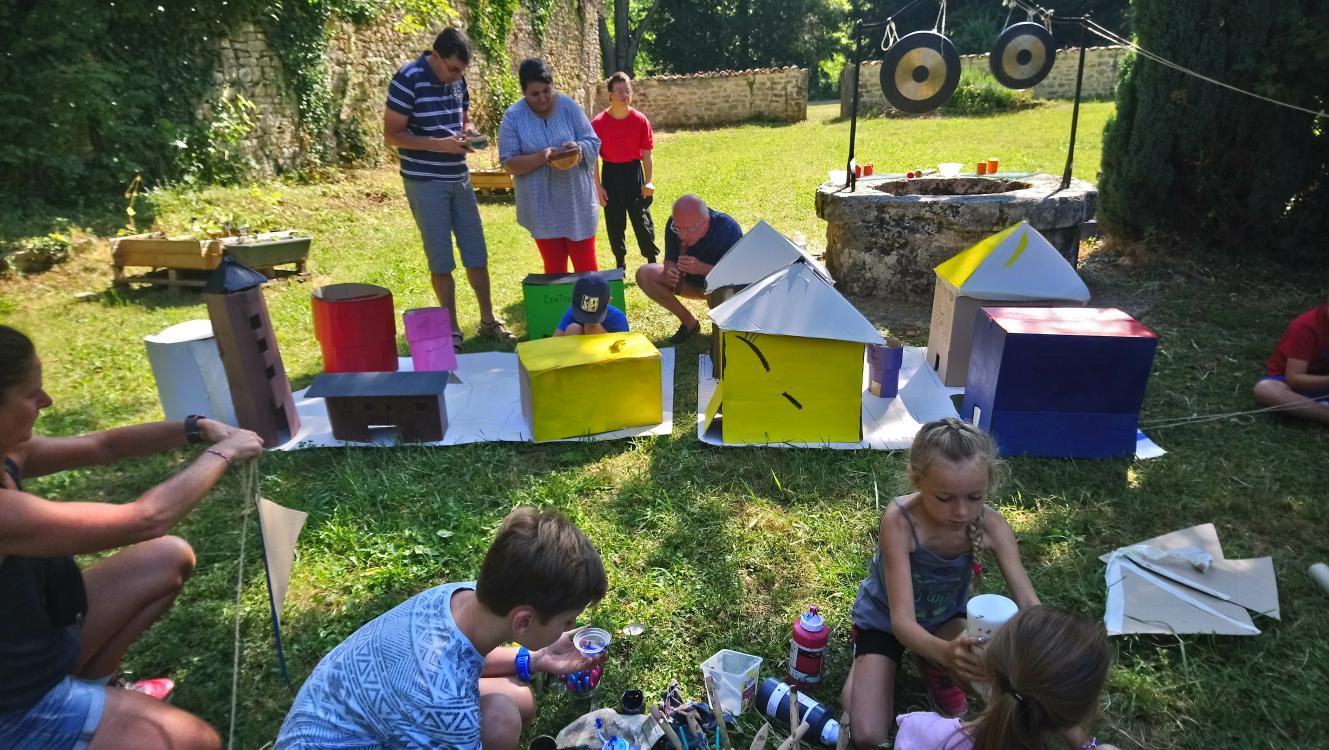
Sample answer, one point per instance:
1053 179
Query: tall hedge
1187 157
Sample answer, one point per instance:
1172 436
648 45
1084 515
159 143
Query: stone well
887 235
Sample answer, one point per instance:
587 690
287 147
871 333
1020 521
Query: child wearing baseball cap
590 311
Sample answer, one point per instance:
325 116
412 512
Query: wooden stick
713 695
793 708
759 742
843 741
663 723
794 738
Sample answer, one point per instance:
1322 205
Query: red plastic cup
982 168
992 165
867 170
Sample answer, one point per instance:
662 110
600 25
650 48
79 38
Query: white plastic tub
735 674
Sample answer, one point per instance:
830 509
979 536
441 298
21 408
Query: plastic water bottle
773 700
807 651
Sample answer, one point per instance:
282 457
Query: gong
1023 55
920 72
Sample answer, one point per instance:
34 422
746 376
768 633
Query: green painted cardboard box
548 295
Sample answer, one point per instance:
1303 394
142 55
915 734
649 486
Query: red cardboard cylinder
356 328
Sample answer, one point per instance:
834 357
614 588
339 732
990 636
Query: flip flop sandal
499 331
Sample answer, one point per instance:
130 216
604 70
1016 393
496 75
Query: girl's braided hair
956 442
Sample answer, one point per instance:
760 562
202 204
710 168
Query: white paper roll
1320 572
987 613
189 374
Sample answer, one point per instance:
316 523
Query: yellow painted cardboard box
788 389
583 385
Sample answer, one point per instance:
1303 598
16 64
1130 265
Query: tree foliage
1186 156
739 34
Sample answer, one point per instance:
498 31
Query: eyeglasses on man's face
676 229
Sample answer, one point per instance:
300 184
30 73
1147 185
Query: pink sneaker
158 689
947 698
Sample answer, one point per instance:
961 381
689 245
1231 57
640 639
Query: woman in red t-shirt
624 181
1297 375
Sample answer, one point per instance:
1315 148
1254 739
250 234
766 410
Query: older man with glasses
696 238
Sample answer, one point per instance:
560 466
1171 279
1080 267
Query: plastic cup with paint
591 642
992 165
982 168
987 613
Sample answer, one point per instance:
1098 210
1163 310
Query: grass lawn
713 548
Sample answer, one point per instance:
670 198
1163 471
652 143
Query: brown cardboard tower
240 323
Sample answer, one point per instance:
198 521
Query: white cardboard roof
758 254
795 301
1015 264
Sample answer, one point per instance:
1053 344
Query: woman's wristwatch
192 433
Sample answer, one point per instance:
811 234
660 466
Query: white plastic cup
591 642
986 613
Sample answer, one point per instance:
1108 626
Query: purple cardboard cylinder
884 368
429 332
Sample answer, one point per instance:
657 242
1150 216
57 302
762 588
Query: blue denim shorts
441 209
64 719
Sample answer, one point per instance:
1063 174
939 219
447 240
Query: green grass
716 548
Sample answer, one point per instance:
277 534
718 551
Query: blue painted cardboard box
1058 381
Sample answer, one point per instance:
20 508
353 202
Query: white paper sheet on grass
484 407
888 423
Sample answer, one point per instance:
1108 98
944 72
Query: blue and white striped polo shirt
434 109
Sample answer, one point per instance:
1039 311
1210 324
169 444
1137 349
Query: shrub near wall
94 93
1188 157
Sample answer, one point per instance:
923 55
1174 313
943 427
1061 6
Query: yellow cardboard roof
1015 264
571 351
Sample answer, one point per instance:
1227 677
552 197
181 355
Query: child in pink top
1047 668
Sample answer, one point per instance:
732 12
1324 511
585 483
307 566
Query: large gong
1023 55
920 72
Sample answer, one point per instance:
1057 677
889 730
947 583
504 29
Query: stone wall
708 99
1101 67
361 61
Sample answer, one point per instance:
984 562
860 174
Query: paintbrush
713 695
694 725
842 741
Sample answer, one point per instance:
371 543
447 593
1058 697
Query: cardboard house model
573 386
547 297
758 254
260 392
1059 381
410 401
790 364
1015 267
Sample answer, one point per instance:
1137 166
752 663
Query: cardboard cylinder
429 332
986 613
189 372
884 368
356 328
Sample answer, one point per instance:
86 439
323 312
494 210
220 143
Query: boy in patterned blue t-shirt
431 672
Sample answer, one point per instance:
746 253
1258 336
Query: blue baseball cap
590 300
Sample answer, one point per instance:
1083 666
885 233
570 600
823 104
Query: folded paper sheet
1153 594
280 528
886 423
485 407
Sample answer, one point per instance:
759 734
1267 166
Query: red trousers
556 252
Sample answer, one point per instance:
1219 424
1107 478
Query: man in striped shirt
428 119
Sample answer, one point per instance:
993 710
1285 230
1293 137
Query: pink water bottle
808 650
